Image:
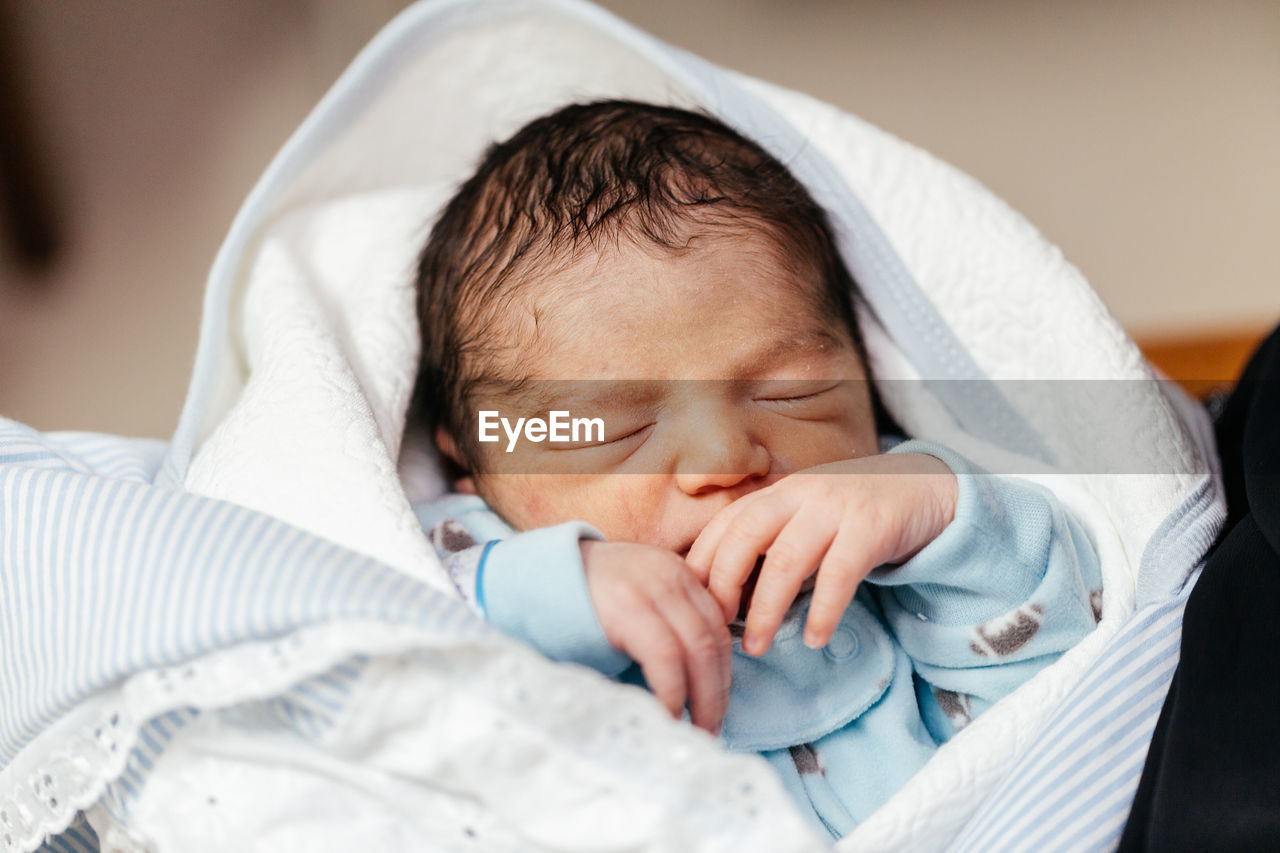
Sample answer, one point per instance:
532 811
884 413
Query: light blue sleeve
530 585
1010 584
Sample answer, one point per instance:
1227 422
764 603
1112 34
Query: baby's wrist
587 548
934 498
943 489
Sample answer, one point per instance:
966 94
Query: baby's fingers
734 545
703 550
651 642
790 560
845 564
708 652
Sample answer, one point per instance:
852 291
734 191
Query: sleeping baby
642 366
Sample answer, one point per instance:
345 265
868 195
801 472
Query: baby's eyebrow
788 342
541 395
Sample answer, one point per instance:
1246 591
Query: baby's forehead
720 310
762 269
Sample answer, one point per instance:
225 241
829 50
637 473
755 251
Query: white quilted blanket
308 352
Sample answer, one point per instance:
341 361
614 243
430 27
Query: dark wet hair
588 175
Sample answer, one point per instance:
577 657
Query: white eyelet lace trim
68 766
578 718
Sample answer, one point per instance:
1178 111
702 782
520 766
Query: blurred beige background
1139 136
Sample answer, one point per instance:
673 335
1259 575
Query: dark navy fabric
1212 777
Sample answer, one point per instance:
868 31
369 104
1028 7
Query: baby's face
713 376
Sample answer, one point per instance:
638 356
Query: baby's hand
654 609
838 520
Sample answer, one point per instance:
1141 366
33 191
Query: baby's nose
719 456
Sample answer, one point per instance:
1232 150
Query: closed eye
797 394
805 403
637 433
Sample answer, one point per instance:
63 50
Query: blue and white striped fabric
103 575
78 838
1073 789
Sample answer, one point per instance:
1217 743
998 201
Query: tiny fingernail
813 639
751 643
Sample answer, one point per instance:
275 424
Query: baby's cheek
522 503
536 506
551 501
624 507
621 508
